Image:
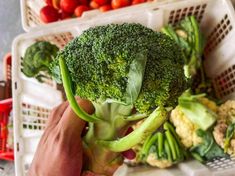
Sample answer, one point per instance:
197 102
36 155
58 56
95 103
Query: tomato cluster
63 9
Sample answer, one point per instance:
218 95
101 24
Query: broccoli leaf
208 149
135 78
196 111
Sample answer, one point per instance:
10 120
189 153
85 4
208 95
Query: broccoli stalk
117 72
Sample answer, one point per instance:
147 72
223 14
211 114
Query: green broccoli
37 58
118 68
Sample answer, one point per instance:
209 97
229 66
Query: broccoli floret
164 78
37 58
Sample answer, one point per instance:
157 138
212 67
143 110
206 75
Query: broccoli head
37 58
126 63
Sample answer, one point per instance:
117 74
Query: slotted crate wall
31 109
178 14
219 33
34 117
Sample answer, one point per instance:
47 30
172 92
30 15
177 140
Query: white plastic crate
30 13
33 100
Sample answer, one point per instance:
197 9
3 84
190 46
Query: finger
57 113
86 105
70 120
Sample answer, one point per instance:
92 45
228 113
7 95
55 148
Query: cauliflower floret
185 128
227 111
219 132
226 115
153 161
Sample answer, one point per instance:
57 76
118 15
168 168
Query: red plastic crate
5 109
7 74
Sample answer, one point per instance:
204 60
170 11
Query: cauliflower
226 116
185 128
153 161
227 111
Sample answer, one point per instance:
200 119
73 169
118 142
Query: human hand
59 152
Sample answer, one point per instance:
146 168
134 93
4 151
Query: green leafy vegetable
208 149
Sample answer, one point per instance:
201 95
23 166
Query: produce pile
150 82
55 10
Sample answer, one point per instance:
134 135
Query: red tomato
94 5
64 15
137 2
68 5
105 8
120 3
80 9
83 2
56 4
101 2
48 2
49 14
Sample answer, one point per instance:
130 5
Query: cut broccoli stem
160 143
168 126
177 149
72 101
170 139
197 157
196 32
152 140
146 143
154 121
167 149
178 145
135 117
